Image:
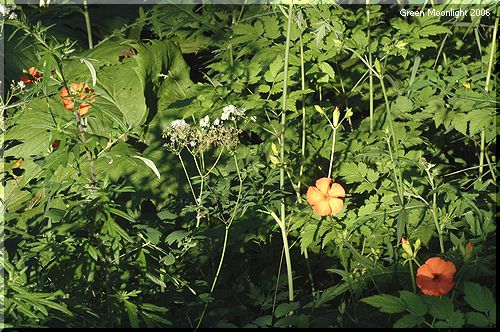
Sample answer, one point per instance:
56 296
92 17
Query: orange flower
35 76
326 199
435 277
74 89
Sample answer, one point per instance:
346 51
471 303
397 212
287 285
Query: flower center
436 277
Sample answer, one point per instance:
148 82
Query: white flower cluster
8 12
232 113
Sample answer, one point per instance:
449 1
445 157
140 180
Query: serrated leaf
414 302
408 321
285 308
440 308
478 297
386 303
477 319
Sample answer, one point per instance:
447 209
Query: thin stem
413 283
282 157
216 275
303 141
487 89
224 245
333 151
288 263
187 176
87 24
436 222
309 271
370 62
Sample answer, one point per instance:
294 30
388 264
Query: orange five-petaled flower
435 277
325 199
75 89
35 76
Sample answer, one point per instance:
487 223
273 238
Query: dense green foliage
163 205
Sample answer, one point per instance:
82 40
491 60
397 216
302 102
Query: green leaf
327 69
285 308
131 313
440 308
479 119
401 225
386 303
478 297
414 302
93 252
408 321
176 236
476 319
460 123
150 164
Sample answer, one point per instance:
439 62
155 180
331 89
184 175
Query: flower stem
87 24
370 61
333 151
412 273
187 176
282 158
487 89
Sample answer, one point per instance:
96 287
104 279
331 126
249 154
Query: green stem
397 171
333 151
370 62
436 222
309 271
87 24
187 176
288 263
282 157
303 141
413 283
487 89
216 275
224 245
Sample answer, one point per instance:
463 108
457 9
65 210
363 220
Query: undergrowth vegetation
287 165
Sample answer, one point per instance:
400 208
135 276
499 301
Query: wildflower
326 199
12 16
435 277
21 85
74 89
232 112
205 122
35 76
406 246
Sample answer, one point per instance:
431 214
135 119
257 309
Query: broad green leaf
478 297
408 321
386 303
414 302
285 308
476 319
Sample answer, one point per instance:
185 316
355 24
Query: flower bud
406 246
468 251
336 116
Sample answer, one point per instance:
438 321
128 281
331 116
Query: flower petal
336 190
336 204
314 195
322 207
425 271
439 265
323 185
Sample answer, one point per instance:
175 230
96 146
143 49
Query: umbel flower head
435 277
325 199
81 90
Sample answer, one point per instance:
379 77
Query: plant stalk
282 157
87 24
